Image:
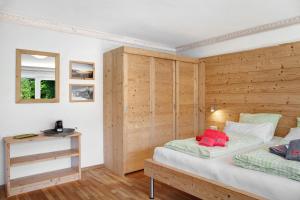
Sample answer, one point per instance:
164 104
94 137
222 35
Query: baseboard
92 167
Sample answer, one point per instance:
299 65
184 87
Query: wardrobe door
186 99
163 101
137 116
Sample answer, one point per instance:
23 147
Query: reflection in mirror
38 77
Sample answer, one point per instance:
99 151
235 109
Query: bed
217 178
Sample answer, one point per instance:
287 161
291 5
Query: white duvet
223 170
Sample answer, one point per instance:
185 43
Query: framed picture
82 93
82 70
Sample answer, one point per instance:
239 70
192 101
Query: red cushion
215 134
220 142
212 137
198 138
206 141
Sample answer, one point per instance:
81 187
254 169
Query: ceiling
32 61
169 22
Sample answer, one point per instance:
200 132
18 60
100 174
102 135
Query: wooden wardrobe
150 98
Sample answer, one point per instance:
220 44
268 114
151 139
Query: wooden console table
39 181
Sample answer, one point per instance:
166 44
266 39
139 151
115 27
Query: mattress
223 170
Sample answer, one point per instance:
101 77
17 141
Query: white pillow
263 131
294 134
259 118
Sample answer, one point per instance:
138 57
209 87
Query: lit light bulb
39 56
213 108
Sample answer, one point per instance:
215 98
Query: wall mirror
37 76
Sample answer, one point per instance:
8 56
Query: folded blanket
279 150
190 146
264 161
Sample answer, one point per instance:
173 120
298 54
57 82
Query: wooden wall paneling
288 110
177 101
186 99
163 101
174 100
152 96
260 87
201 91
138 126
285 74
196 99
261 80
271 64
255 98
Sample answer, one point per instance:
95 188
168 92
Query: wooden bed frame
197 186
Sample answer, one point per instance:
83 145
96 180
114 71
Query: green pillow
298 122
260 118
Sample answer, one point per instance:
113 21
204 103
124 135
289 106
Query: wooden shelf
41 177
43 157
42 180
38 181
40 137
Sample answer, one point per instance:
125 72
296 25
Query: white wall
265 39
23 118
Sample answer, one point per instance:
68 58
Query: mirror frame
19 99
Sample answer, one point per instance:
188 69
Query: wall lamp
213 108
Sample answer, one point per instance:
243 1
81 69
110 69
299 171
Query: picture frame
82 70
81 92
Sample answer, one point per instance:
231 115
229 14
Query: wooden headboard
261 80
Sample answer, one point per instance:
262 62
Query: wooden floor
101 184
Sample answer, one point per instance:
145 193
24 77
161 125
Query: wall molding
124 40
77 30
241 33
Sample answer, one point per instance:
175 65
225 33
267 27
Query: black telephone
59 130
59 126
